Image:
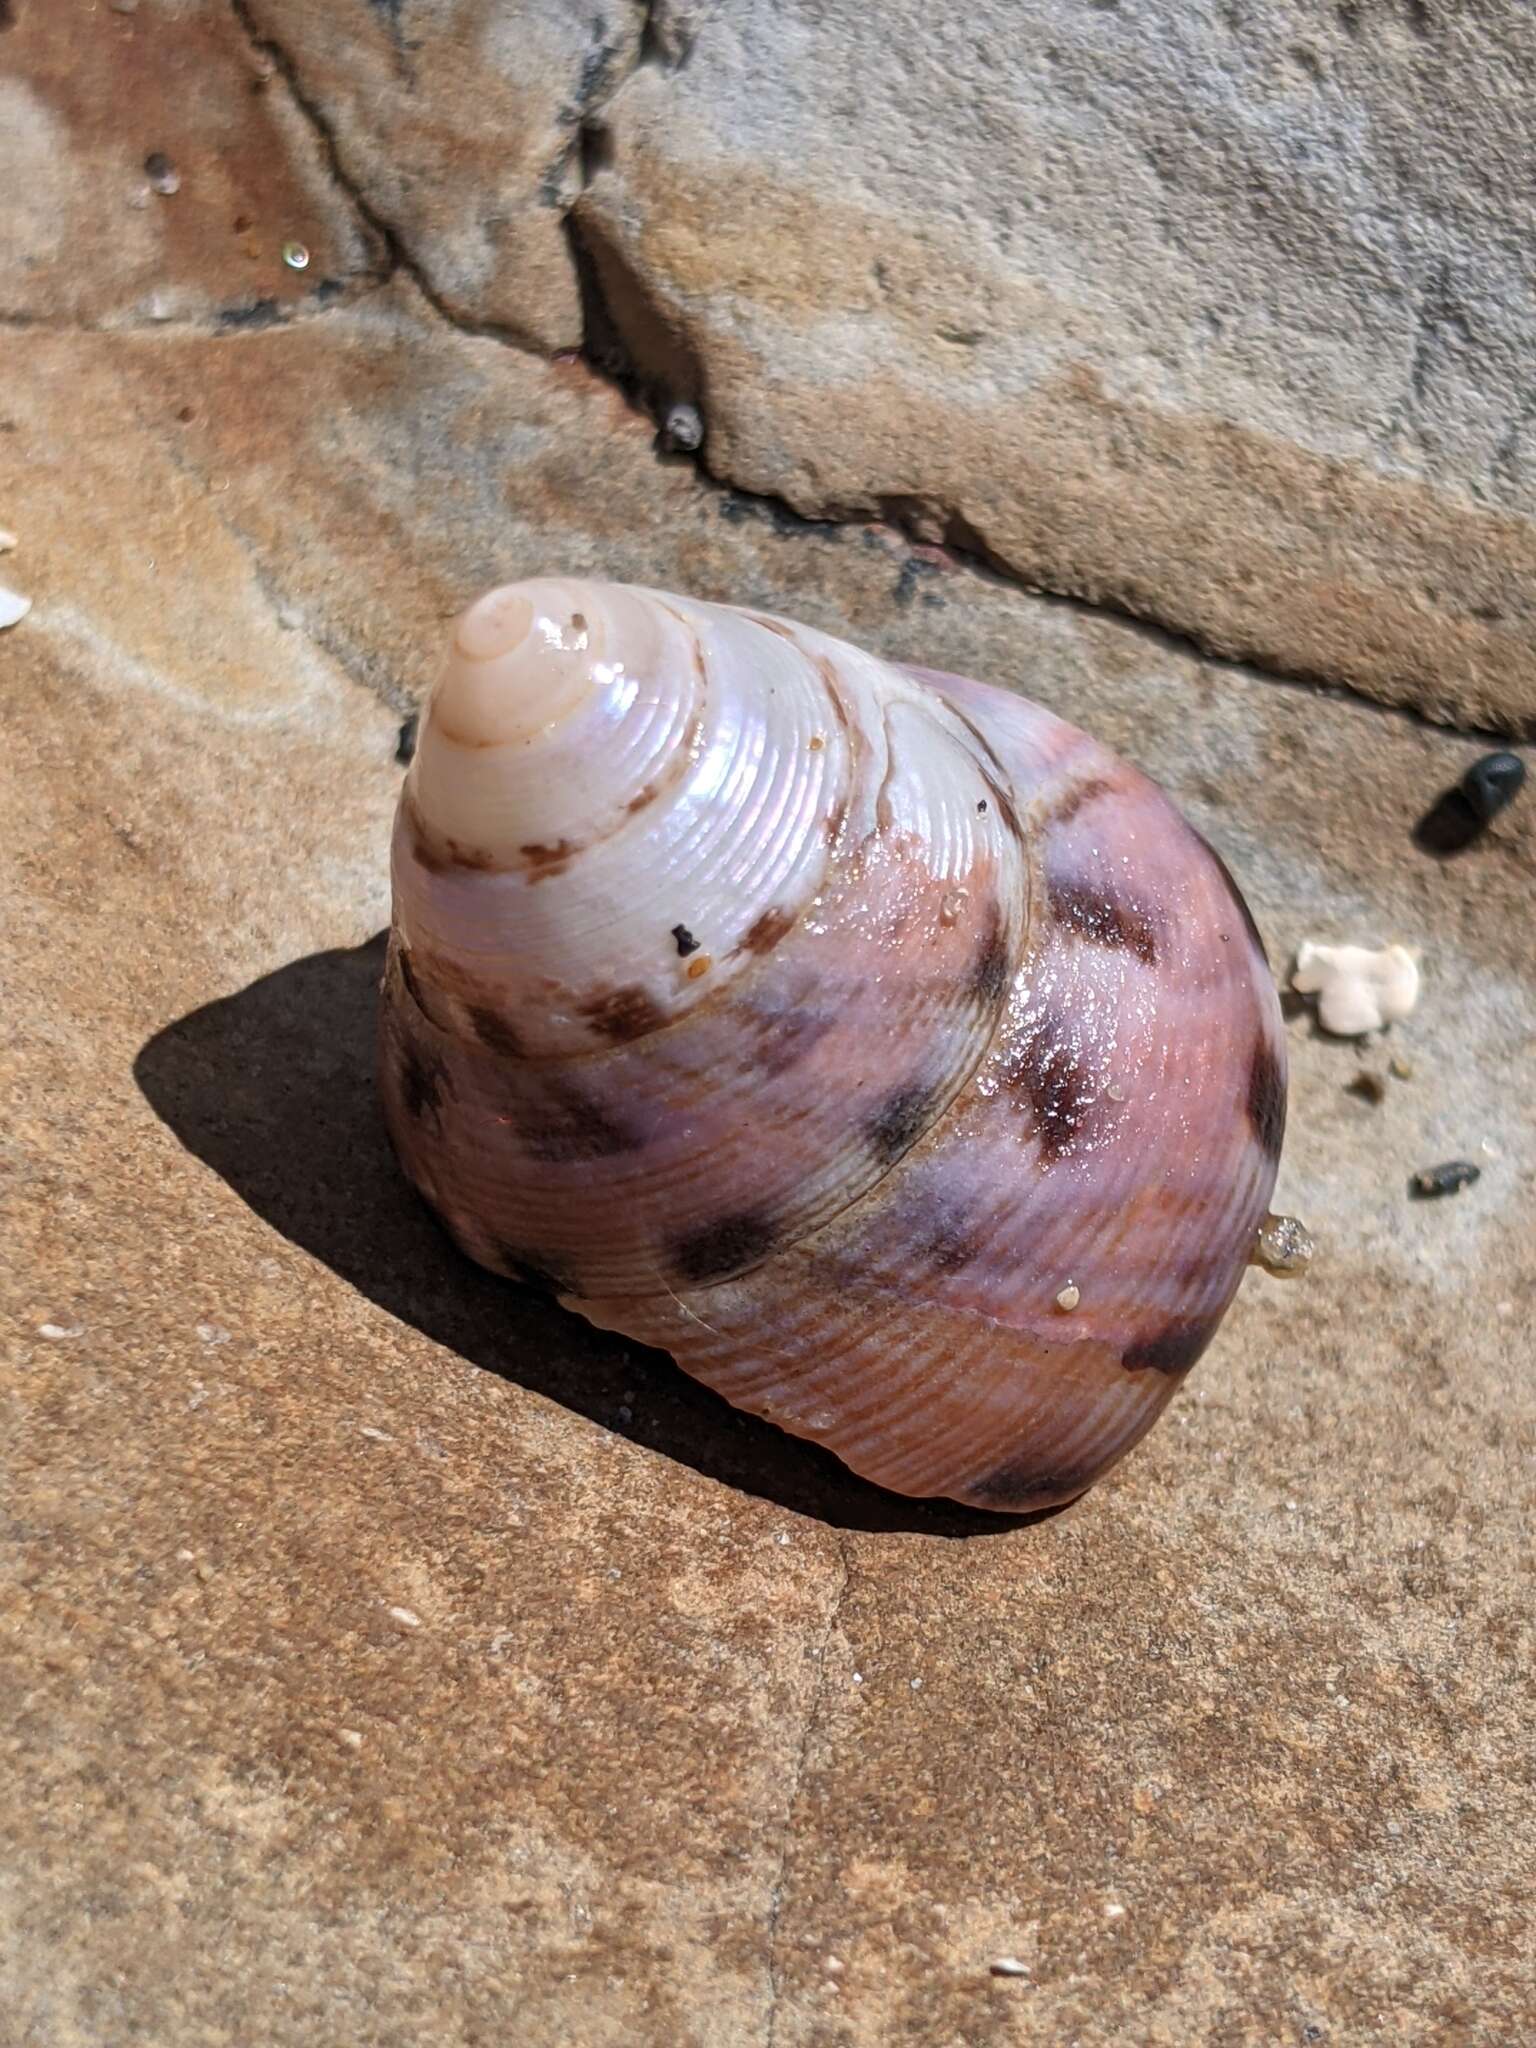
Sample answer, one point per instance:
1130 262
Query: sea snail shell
873 1041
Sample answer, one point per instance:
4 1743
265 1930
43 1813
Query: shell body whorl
872 1040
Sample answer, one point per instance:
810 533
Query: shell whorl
821 1021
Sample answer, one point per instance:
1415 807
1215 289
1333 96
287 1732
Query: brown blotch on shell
545 862
441 857
422 1082
990 973
723 1248
767 931
1266 1097
900 1121
1102 918
473 858
1173 1350
493 1031
947 1240
426 855
559 1122
644 797
784 1038
1045 1075
622 1014
1073 798
834 821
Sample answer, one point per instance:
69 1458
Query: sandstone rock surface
1221 316
102 113
1222 321
388 1658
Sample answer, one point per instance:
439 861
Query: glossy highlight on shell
870 1039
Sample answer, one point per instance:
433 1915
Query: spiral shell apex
870 1039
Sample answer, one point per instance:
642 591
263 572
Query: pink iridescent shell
873 1041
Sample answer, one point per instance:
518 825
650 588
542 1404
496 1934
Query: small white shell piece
13 606
1357 990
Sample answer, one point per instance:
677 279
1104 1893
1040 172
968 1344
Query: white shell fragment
1357 990
13 606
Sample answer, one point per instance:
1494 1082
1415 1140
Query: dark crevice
665 44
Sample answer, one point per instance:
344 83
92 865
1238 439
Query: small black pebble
686 942
158 165
1448 1179
1493 782
405 746
1459 816
981 807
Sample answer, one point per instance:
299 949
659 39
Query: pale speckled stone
1237 1750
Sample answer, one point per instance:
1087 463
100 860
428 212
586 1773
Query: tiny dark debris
686 942
981 806
1368 1086
906 582
405 745
1447 1179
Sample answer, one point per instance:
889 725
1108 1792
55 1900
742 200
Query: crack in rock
398 255
604 274
256 316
